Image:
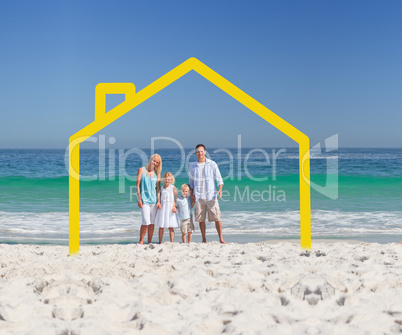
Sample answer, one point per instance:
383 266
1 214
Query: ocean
356 194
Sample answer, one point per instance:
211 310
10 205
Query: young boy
184 205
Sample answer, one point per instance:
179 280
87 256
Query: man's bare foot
141 242
204 241
223 242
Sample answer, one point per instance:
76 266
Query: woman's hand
140 203
158 205
174 210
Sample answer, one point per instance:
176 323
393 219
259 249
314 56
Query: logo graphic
330 189
133 99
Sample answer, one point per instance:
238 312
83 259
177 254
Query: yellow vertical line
305 201
74 198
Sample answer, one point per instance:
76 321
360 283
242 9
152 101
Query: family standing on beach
162 208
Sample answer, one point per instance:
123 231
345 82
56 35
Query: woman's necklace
149 175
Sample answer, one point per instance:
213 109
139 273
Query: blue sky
326 67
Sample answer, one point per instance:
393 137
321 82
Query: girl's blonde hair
168 174
158 169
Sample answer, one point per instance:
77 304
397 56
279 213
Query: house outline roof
133 99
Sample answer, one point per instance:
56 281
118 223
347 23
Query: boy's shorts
203 206
187 226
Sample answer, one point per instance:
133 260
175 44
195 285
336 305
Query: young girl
166 217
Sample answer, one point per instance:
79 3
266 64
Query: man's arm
191 182
219 180
191 176
219 194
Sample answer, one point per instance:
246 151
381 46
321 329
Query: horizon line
163 148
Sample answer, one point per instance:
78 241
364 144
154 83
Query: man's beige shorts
203 206
187 226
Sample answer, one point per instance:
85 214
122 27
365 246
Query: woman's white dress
165 218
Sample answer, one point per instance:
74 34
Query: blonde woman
148 186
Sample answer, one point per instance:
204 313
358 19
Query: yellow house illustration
133 99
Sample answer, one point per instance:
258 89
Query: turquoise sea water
261 194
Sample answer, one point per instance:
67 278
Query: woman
148 186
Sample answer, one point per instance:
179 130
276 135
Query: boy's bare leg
190 235
160 235
143 231
183 238
171 233
218 225
151 229
203 230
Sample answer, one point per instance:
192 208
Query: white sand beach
255 288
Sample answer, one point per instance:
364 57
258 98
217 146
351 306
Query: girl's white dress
165 218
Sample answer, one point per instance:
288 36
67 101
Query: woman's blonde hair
168 174
158 169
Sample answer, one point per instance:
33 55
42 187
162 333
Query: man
202 176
